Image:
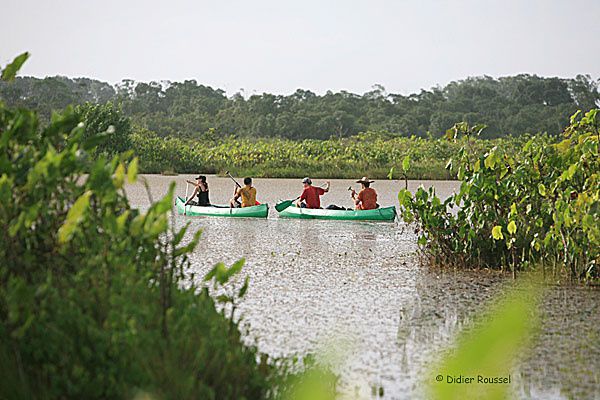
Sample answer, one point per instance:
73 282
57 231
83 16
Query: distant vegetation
185 127
373 154
508 106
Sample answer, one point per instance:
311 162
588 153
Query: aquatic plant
515 210
372 154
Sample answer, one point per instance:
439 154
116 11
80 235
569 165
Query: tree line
508 106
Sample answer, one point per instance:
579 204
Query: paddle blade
283 205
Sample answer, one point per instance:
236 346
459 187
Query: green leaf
244 287
236 267
390 174
563 146
479 128
74 217
497 232
512 227
490 161
119 177
188 248
542 189
405 197
11 69
132 170
216 272
406 164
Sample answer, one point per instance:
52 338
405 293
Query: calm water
358 287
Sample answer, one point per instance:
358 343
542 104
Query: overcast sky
278 46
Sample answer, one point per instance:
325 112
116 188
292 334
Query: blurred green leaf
497 232
10 71
500 335
74 217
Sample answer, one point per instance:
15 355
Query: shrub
538 205
94 302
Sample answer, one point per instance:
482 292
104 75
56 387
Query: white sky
278 46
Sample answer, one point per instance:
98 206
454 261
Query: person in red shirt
367 197
310 197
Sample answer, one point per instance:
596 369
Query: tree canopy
508 106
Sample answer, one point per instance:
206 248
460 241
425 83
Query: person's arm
302 197
358 198
192 196
236 195
191 182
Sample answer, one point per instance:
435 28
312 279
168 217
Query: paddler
367 197
200 191
246 192
310 197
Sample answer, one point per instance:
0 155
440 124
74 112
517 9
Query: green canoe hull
260 211
379 214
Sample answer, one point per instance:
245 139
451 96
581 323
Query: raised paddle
186 198
286 203
233 179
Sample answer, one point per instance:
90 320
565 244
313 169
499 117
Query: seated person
247 193
201 191
310 197
367 197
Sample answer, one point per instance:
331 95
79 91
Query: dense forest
508 106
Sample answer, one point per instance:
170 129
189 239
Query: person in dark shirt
200 192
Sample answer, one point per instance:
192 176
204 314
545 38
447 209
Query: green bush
107 125
540 205
93 298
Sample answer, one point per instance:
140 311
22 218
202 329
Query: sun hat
307 180
364 179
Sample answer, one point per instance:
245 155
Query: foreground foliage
92 297
540 205
490 347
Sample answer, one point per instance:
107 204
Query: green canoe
379 214
260 211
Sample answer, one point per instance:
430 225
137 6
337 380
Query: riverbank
371 154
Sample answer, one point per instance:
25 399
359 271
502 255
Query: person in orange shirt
247 193
367 197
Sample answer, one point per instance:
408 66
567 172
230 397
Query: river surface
357 290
